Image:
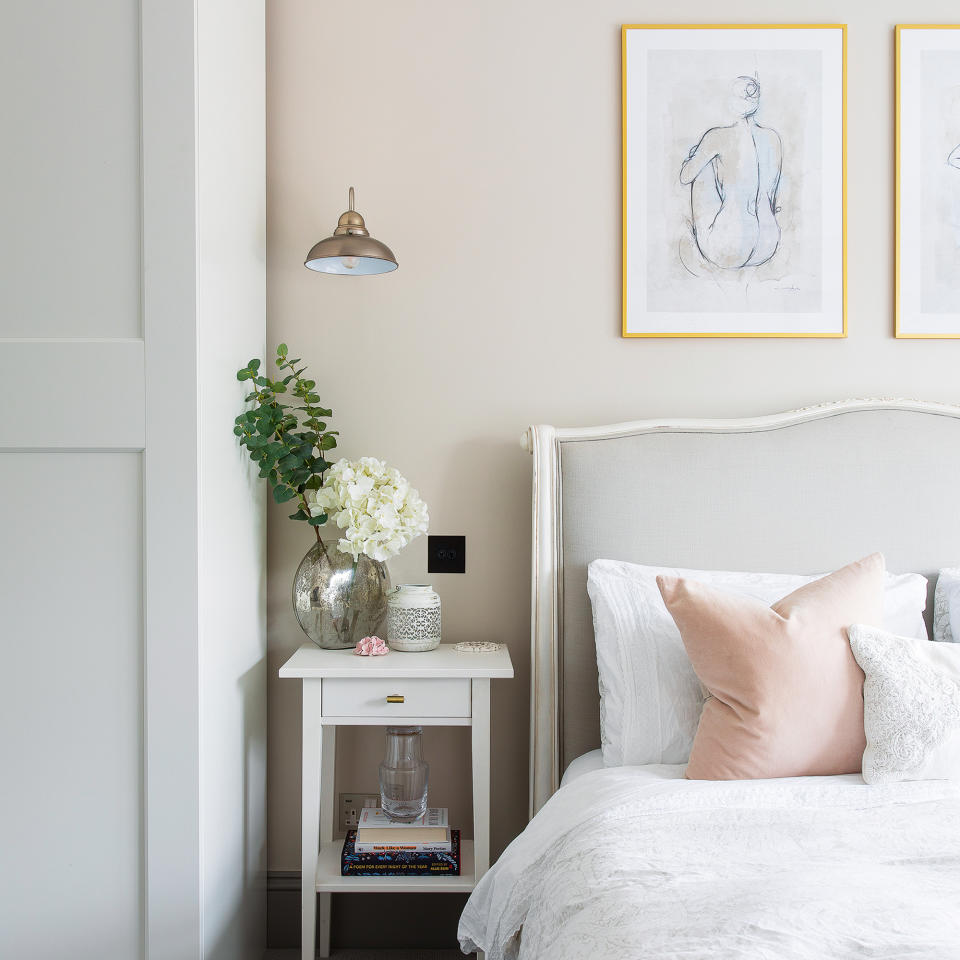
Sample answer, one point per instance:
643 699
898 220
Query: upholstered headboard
799 492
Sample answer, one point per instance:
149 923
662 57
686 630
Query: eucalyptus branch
291 458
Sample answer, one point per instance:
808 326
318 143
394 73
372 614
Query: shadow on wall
492 601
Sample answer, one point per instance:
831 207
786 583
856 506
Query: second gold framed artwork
734 156
928 182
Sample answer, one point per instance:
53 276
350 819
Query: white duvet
633 862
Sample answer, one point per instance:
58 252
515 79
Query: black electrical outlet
446 554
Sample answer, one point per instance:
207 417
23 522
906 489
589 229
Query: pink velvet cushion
786 692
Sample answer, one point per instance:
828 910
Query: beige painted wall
484 143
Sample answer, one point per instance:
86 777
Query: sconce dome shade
351 250
351 254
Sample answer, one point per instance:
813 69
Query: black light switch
446 554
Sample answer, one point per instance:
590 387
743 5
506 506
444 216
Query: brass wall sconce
351 251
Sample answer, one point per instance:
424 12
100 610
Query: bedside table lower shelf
329 879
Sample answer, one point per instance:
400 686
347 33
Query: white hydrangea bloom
375 506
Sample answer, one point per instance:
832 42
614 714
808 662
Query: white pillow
946 606
650 697
911 706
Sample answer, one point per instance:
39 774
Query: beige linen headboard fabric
799 492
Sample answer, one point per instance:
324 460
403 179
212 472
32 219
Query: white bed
636 862
581 766
640 862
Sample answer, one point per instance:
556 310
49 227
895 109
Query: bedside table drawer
421 697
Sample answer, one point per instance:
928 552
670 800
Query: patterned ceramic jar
413 618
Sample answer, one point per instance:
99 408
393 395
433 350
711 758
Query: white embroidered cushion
911 706
650 697
946 606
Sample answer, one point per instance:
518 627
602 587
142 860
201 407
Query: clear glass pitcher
404 774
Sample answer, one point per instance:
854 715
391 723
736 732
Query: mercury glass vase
403 775
338 600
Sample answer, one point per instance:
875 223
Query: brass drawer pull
395 698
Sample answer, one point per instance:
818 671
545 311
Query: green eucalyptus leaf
317 521
299 515
281 349
244 374
254 364
314 483
283 494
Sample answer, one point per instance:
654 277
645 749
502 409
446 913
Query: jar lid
415 587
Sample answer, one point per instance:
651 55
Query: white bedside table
439 688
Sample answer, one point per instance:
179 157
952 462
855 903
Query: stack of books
381 847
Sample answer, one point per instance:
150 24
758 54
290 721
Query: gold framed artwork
928 181
734 180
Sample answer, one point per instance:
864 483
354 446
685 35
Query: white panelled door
101 643
71 483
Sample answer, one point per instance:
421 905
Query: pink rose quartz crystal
371 647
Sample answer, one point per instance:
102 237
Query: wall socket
350 806
446 554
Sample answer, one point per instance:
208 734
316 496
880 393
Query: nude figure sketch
734 176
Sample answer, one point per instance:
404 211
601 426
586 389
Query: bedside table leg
480 761
310 816
328 764
323 924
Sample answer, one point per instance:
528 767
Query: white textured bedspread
632 862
